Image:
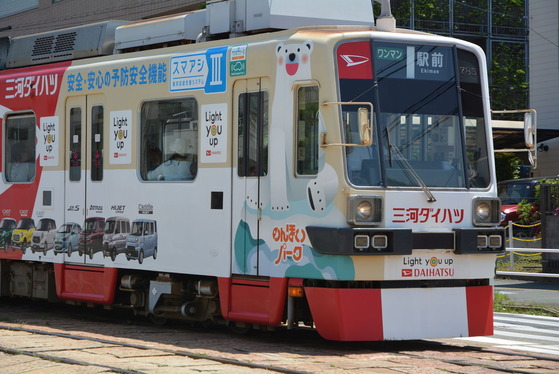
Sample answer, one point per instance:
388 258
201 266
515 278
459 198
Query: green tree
509 88
507 166
507 67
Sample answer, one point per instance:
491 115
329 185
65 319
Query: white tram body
334 176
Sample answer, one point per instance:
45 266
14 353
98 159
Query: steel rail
138 346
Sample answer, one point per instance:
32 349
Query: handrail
526 274
535 250
513 251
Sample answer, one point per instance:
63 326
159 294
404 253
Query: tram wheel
157 320
239 328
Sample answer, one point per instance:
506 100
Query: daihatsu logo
353 60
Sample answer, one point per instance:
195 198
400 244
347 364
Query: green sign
390 53
238 60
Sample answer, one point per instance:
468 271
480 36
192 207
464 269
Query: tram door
250 122
83 173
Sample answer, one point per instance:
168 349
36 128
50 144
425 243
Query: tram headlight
364 210
486 211
361 241
495 241
483 211
482 241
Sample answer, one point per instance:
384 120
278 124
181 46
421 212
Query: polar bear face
294 58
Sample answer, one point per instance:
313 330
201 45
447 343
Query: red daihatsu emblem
406 272
354 60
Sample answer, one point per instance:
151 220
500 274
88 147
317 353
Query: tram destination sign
427 62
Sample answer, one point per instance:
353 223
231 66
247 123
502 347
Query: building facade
544 62
544 79
25 17
499 27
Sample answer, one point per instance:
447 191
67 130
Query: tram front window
427 143
429 126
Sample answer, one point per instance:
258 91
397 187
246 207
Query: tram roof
222 19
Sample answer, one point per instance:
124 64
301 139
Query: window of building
10 7
307 130
169 140
19 148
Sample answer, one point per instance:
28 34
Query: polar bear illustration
293 65
294 61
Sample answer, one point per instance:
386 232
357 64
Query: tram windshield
429 118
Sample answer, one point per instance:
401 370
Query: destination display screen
404 61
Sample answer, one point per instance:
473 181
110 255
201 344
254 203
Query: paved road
526 333
112 345
525 292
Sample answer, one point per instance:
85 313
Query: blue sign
197 71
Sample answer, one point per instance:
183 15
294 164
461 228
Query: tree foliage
507 166
529 213
505 37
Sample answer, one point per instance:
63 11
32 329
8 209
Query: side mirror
530 134
529 129
365 128
364 124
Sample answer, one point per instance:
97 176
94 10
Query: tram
260 166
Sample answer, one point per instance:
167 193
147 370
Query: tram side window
75 145
169 140
253 134
307 130
97 143
472 104
20 148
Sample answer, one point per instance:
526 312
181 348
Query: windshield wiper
411 171
389 146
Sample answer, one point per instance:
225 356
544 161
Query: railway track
104 343
186 360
